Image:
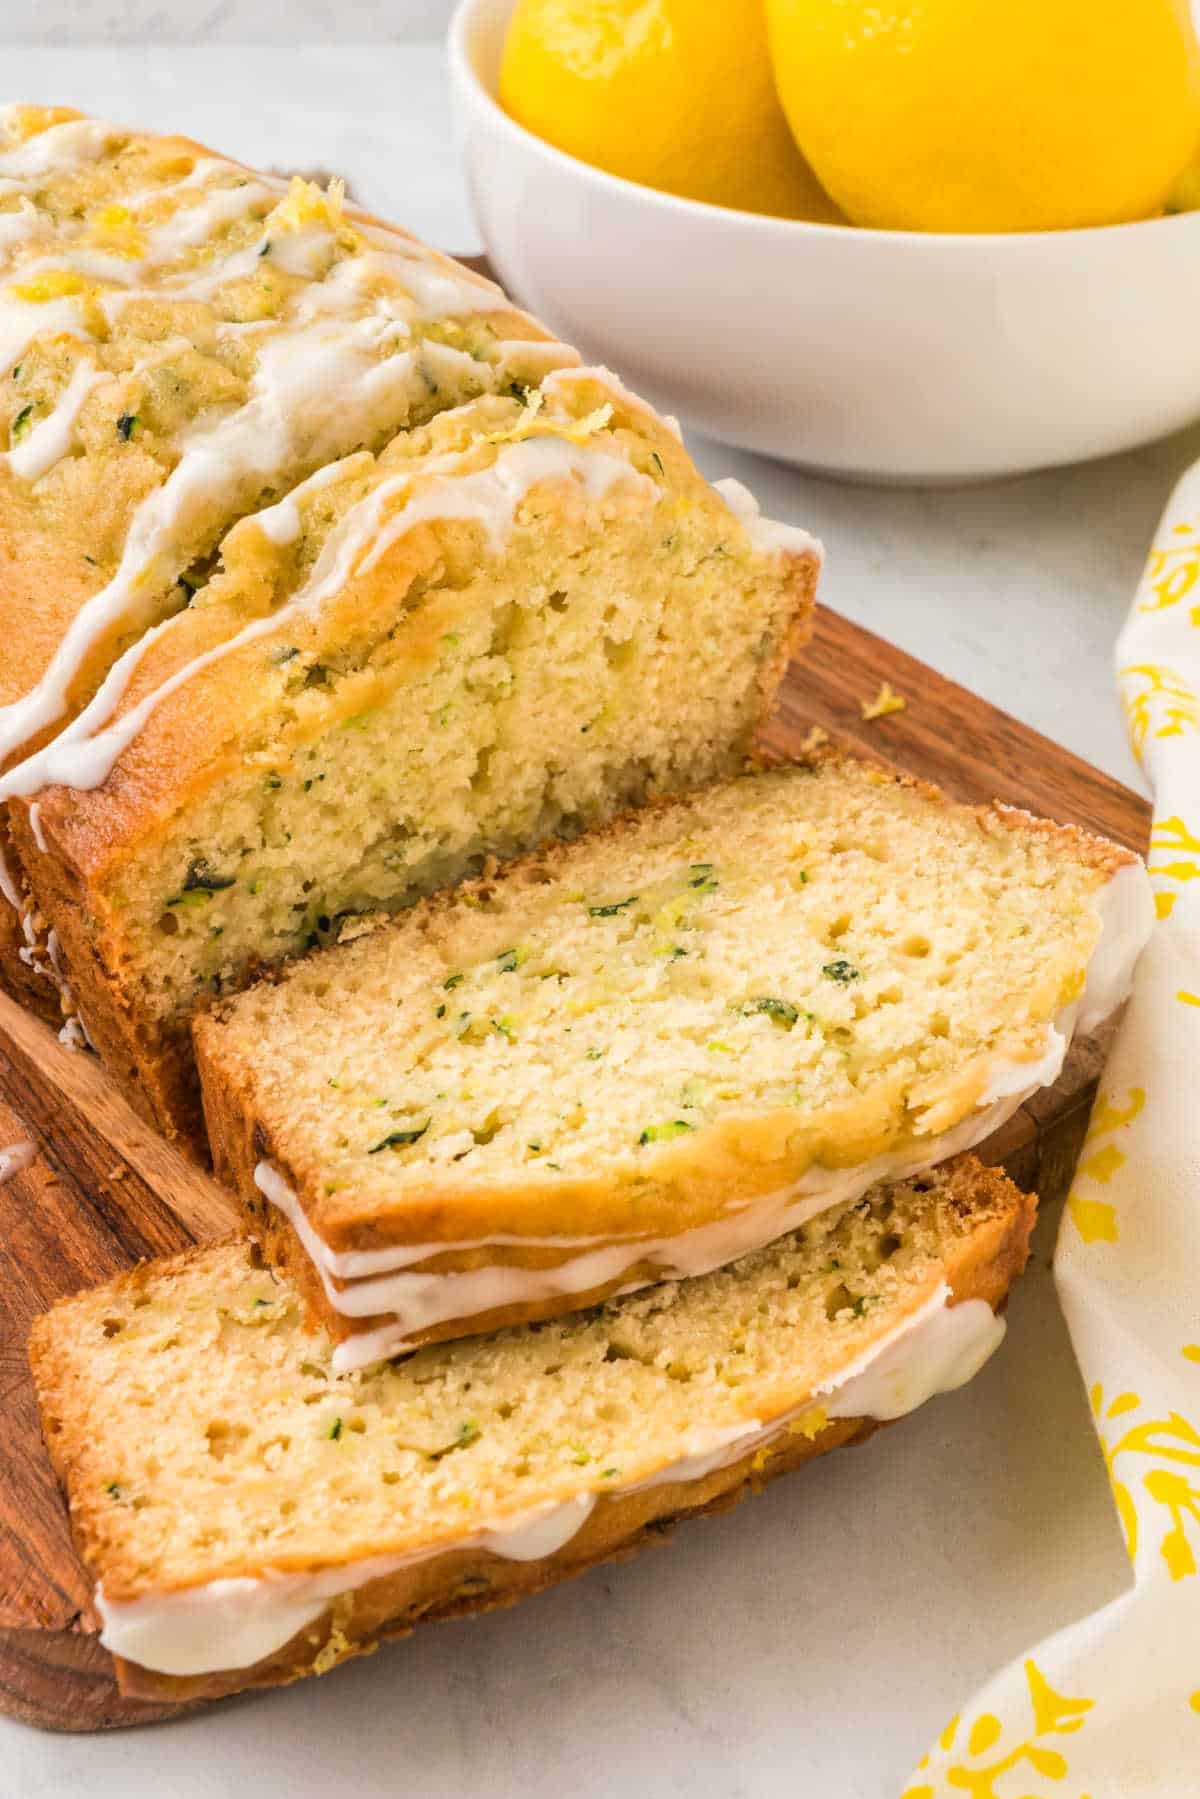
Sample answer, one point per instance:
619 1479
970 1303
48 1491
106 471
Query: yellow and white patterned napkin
1110 1708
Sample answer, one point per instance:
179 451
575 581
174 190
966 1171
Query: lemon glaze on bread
421 644
643 1054
285 1518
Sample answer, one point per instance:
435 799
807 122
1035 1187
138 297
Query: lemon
990 115
676 94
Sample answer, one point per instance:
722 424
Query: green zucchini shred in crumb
862 1302
661 1133
510 960
113 1489
127 426
611 911
335 1430
506 1026
779 1011
201 878
702 877
453 981
20 424
468 1431
841 970
400 1139
198 896
594 1055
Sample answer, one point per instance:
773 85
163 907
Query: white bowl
894 356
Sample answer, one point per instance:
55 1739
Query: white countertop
811 1643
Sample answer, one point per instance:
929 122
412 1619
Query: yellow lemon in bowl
675 94
990 115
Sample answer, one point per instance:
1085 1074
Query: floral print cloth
1110 1707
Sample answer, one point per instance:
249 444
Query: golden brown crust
987 1231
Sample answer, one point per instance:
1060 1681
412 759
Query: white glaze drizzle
83 753
68 145
419 1301
23 320
281 523
23 226
14 1157
322 362
764 533
51 438
386 1283
8 886
236 1623
218 207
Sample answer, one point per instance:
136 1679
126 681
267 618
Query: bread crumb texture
460 696
818 962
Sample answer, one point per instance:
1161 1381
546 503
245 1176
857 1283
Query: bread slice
640 1055
511 623
279 1518
182 339
423 642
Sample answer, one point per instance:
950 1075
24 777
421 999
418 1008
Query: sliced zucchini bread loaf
181 340
319 651
642 1054
282 1517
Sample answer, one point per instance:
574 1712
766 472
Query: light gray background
812 1643
222 21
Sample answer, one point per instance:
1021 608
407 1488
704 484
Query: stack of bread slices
375 799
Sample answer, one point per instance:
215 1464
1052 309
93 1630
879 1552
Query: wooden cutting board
105 1191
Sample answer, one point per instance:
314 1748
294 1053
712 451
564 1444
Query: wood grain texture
105 1191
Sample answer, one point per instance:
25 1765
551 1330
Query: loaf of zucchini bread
324 574
639 1055
181 340
282 1517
